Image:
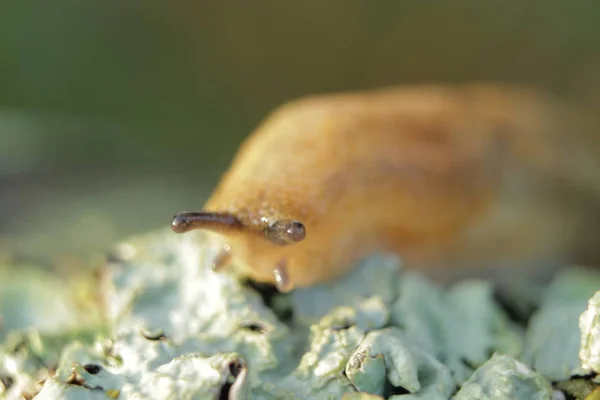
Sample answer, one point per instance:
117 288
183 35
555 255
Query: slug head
281 232
263 249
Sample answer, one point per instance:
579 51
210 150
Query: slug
449 177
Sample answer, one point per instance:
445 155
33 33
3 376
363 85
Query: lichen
174 328
589 325
503 377
553 339
459 326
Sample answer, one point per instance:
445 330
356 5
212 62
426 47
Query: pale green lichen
367 371
185 377
373 284
460 326
503 377
553 338
176 329
405 367
361 396
31 298
589 325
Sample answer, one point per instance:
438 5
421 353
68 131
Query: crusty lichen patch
503 377
589 324
176 329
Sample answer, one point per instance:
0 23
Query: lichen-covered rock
174 328
387 353
553 338
579 388
185 377
31 298
365 288
460 326
361 396
503 377
28 357
589 325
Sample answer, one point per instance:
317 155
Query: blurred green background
114 115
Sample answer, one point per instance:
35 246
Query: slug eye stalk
213 221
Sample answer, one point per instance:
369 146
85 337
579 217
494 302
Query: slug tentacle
222 258
283 283
284 232
213 221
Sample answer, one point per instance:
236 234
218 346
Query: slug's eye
295 231
285 232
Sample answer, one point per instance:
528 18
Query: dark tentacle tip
180 223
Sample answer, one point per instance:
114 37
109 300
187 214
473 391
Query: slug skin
448 177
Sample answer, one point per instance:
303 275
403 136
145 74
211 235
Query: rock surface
170 327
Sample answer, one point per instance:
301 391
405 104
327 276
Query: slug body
447 177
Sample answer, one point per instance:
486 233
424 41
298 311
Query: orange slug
448 177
